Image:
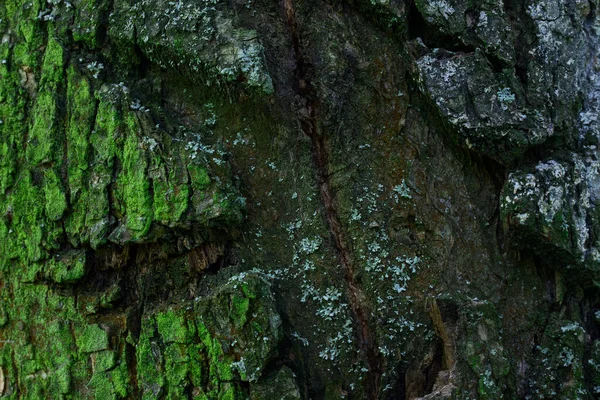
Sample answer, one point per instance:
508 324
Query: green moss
81 108
197 360
56 202
239 309
219 365
171 191
87 21
135 185
106 136
149 362
42 135
42 142
249 291
26 231
58 354
91 339
12 115
53 65
93 207
7 164
172 327
67 267
84 214
63 379
120 378
199 177
3 313
102 386
176 370
230 391
103 360
29 30
110 378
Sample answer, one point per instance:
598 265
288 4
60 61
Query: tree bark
303 199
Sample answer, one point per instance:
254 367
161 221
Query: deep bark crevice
418 28
308 119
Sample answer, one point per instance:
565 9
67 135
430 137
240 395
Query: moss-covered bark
299 200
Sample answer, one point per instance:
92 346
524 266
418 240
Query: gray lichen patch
554 204
537 52
200 39
490 116
483 24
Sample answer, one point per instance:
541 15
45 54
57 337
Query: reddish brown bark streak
307 114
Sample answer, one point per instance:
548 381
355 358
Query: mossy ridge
28 30
170 358
65 352
37 204
12 116
149 177
44 139
188 346
171 189
81 114
136 198
68 266
87 21
25 233
51 345
214 52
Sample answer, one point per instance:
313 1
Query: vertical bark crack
307 107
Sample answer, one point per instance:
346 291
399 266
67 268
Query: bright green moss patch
3 313
90 216
149 361
28 30
45 129
177 364
42 134
91 339
12 115
81 108
197 360
120 378
199 176
26 231
7 166
58 354
239 309
171 191
54 193
67 267
84 213
103 360
172 327
135 185
102 386
63 379
105 135
76 164
53 65
110 385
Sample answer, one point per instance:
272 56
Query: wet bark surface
301 199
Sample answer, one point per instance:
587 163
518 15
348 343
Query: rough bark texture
299 199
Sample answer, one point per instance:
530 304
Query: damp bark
307 108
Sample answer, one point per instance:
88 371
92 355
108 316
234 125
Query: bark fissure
307 107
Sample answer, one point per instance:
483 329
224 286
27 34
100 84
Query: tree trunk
302 199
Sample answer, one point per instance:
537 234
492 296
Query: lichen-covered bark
304 199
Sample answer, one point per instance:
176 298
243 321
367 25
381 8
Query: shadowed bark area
303 199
